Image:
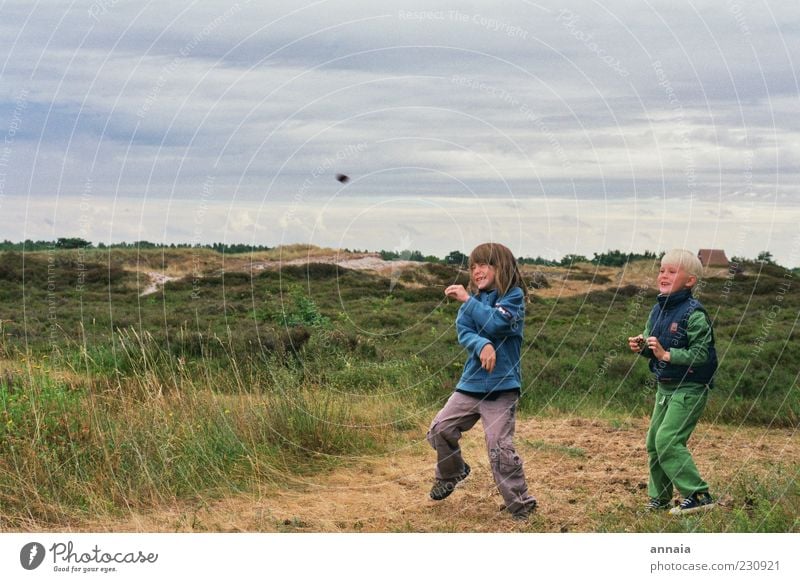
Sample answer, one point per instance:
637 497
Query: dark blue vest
669 321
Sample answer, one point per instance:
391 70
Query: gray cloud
491 100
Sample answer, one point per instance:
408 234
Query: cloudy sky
553 127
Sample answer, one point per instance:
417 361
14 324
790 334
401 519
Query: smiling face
673 278
483 276
492 266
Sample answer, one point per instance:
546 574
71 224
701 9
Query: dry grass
578 468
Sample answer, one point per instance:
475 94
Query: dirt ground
577 468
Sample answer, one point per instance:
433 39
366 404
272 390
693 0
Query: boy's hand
488 358
636 343
457 292
658 350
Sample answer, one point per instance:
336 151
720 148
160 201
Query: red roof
713 258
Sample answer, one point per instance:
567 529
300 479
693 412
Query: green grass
751 504
110 400
539 445
68 449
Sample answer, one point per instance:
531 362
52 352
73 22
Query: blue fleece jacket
482 319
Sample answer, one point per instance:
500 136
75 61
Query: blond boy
678 341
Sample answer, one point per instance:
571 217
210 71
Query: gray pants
460 414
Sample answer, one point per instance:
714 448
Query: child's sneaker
656 504
700 501
524 514
444 487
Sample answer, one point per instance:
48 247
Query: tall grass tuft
154 432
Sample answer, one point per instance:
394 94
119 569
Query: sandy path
157 281
576 468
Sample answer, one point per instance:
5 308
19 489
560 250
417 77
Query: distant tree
235 248
406 255
616 258
456 258
536 261
609 259
389 255
765 257
72 243
571 259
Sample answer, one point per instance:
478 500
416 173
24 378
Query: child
680 347
489 325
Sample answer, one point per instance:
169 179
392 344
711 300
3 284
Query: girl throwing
489 323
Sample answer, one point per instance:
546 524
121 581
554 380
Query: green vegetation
613 258
224 379
755 507
568 451
79 243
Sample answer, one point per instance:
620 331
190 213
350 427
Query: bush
314 271
538 280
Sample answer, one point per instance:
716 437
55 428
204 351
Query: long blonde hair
506 269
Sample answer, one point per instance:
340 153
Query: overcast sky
552 127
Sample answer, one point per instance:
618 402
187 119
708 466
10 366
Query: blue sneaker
656 504
700 501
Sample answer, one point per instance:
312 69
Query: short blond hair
685 259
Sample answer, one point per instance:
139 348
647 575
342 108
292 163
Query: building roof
713 257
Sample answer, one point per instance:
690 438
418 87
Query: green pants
674 417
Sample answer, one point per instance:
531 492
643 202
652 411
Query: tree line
611 258
79 243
